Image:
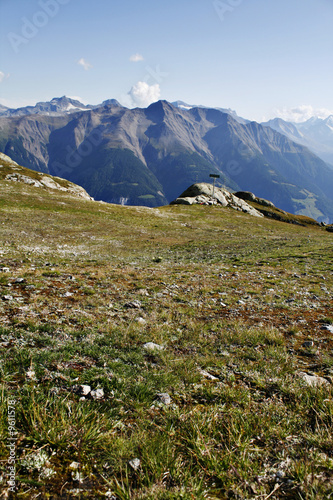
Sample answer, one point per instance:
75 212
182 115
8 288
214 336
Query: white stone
313 380
82 390
8 297
135 463
98 394
150 346
164 398
31 375
207 375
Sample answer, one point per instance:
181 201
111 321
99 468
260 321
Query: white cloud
142 94
302 113
3 76
136 58
85 65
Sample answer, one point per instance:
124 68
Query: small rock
81 390
329 328
5 269
68 294
141 321
164 398
8 298
74 465
98 394
308 344
31 375
110 495
280 475
150 346
207 375
19 280
135 463
313 380
135 304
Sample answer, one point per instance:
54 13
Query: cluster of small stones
19 294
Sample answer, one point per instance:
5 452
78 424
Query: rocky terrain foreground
179 352
11 171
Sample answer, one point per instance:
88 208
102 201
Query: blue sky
263 58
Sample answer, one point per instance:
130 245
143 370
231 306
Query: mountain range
315 133
149 156
58 105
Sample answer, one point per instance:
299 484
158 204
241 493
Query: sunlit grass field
238 308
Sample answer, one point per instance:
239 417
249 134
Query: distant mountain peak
329 120
159 109
110 102
61 104
183 105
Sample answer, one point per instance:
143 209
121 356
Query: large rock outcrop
248 196
11 171
204 194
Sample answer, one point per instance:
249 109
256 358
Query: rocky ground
180 352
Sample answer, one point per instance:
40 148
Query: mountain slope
315 133
149 156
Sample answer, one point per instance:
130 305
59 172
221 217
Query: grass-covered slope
242 308
10 171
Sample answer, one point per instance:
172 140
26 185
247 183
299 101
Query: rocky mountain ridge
149 156
57 106
315 133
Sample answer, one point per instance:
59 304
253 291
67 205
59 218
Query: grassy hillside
240 309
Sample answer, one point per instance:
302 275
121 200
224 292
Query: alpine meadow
166 250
